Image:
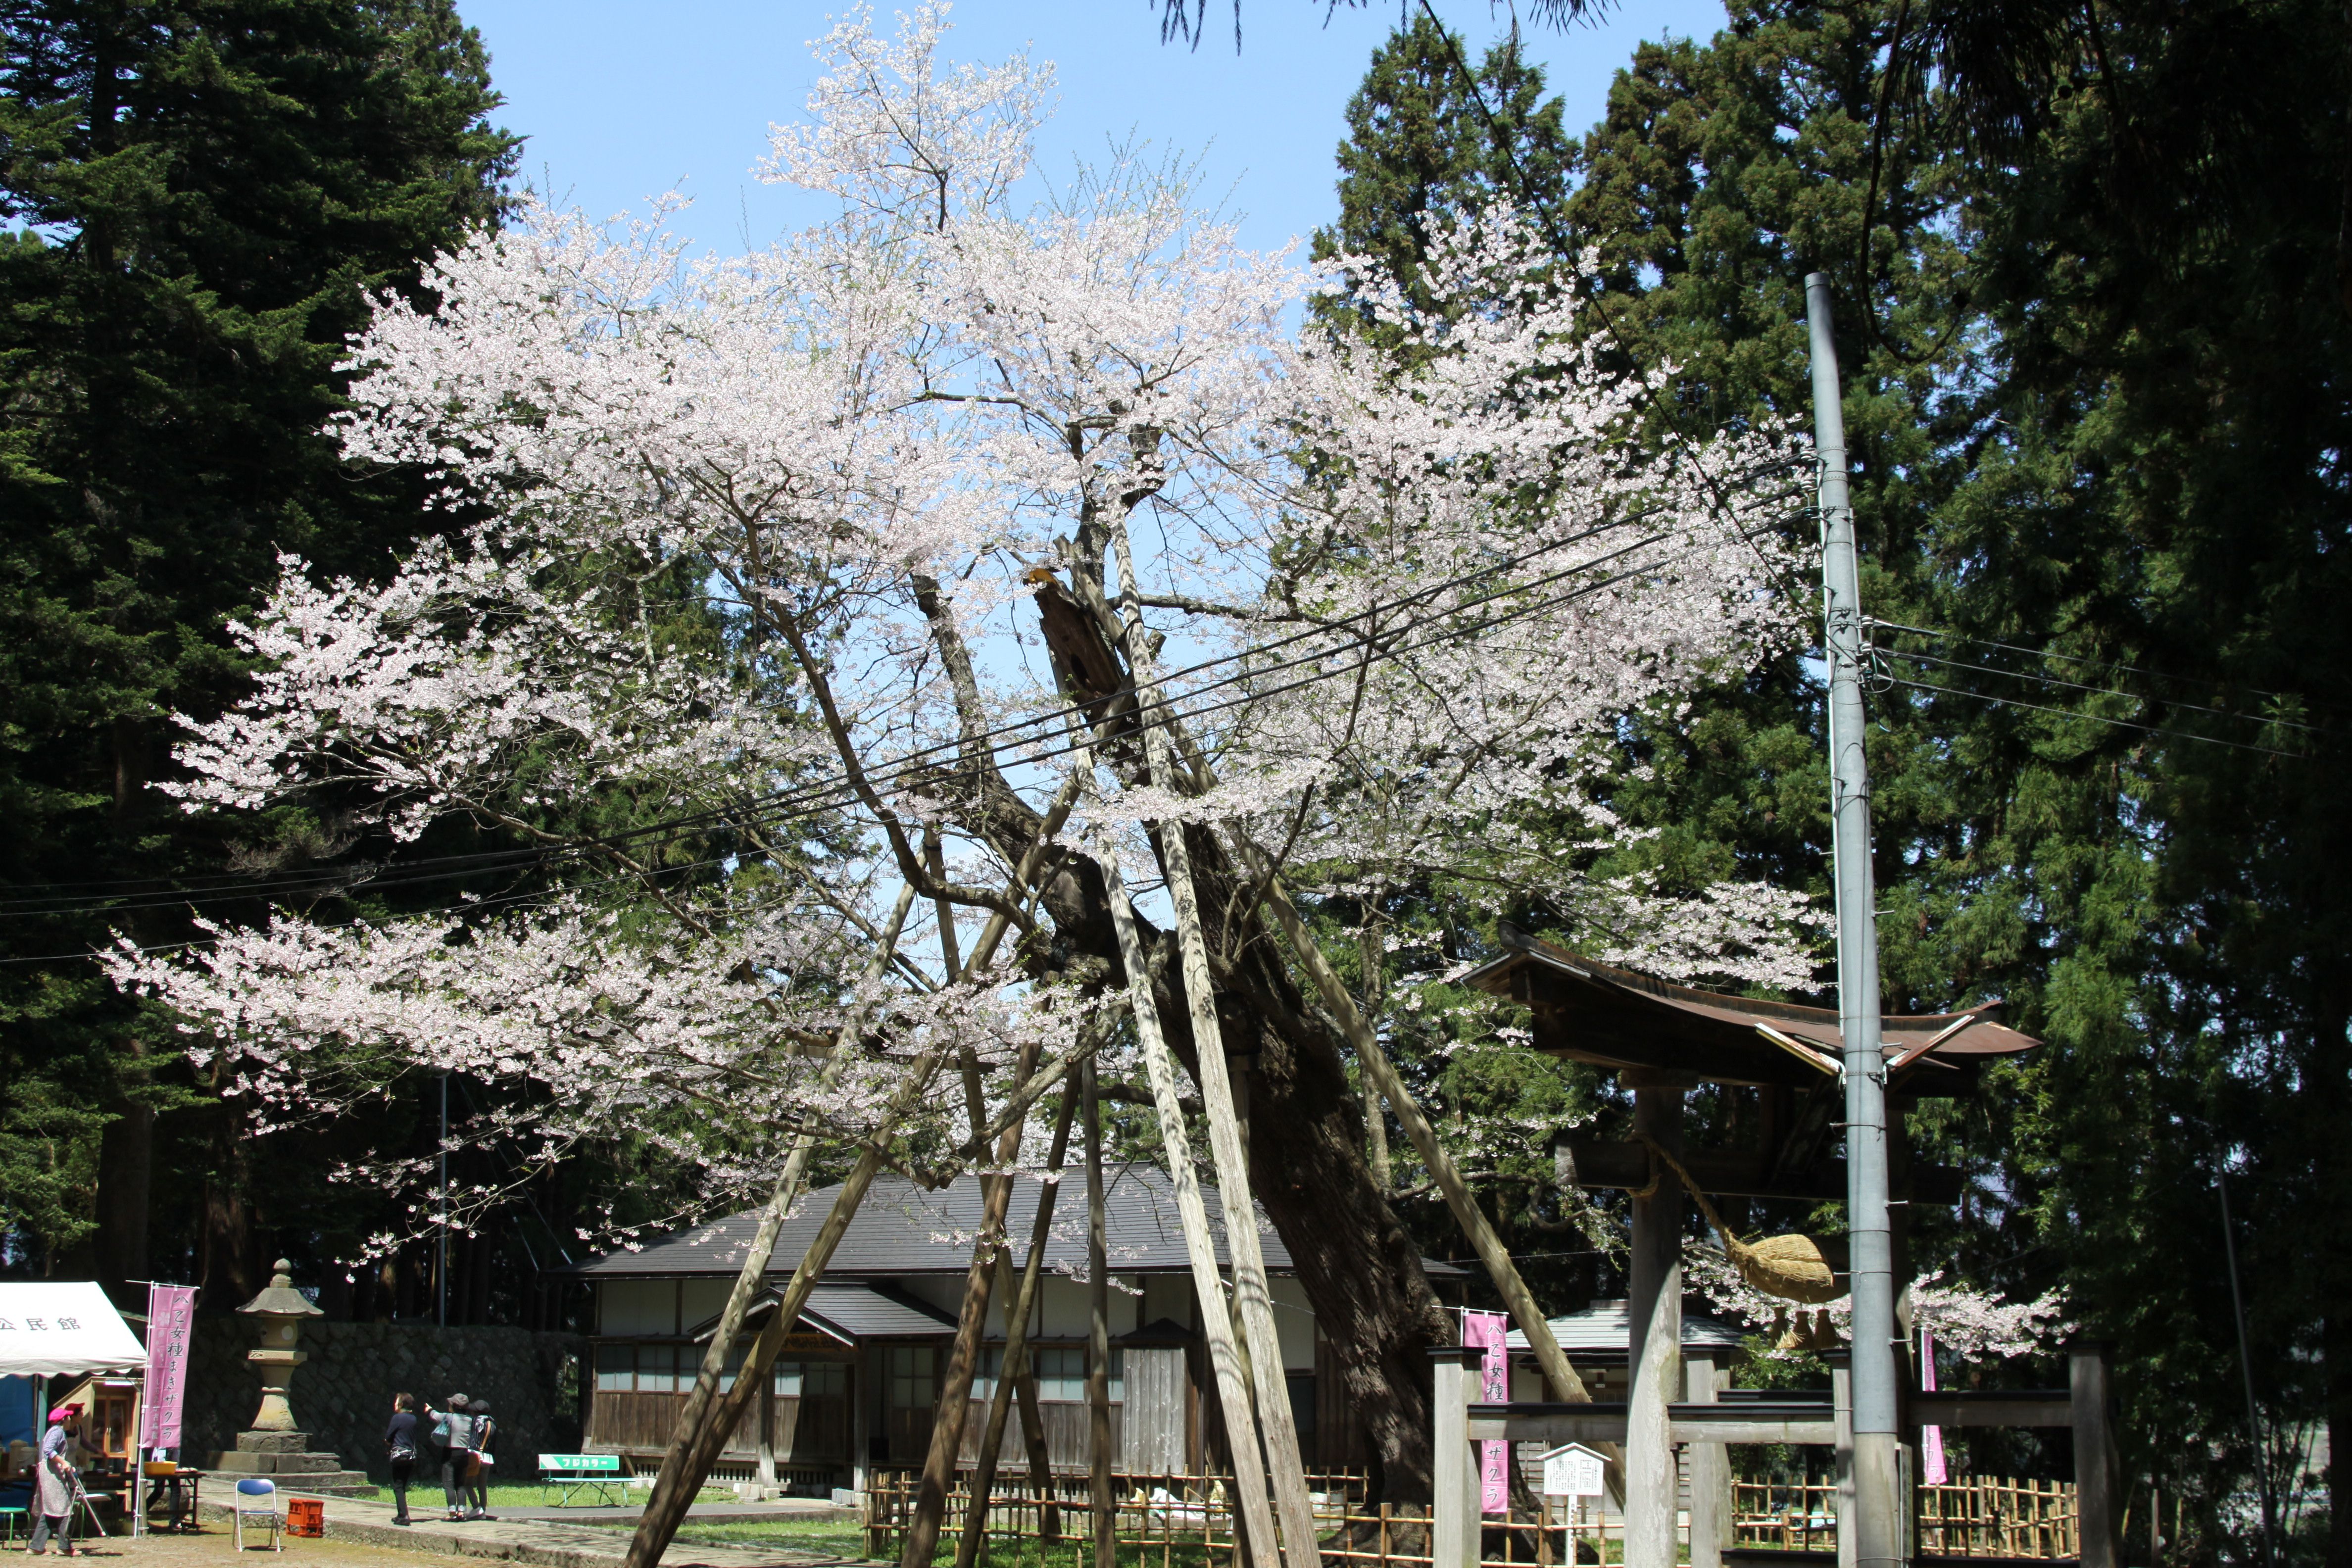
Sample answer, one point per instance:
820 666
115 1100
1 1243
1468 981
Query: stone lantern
280 1311
273 1444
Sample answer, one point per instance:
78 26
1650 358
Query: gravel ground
215 1547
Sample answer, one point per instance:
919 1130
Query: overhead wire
839 792
2094 717
2098 691
1340 656
2050 653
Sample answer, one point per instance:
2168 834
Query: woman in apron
54 1483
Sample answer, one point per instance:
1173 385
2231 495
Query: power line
2095 717
2096 690
1373 653
841 792
2094 663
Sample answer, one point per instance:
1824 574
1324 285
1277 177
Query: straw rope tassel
1789 1267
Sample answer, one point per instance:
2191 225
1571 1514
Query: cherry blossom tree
985 486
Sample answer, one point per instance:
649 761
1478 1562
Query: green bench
569 1475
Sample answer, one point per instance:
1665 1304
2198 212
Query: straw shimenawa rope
1789 1267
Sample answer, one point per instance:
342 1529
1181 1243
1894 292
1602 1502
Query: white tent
48 1328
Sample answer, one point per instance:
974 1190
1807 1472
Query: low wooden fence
1985 1516
1994 1516
1166 1520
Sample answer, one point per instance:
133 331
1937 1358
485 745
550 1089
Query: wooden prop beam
693 1450
1019 1303
1253 1298
1251 1495
678 1479
1557 1374
1103 1500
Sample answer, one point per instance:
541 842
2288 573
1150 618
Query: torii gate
1664 1040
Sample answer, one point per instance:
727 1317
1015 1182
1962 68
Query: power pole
1877 1535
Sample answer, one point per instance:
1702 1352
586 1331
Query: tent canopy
48 1328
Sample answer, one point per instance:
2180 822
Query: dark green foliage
2096 394
203 195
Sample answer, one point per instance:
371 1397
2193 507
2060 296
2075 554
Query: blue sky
622 101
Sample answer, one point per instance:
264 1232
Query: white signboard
1573 1470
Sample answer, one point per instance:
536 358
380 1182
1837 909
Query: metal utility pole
1878 1508
441 1231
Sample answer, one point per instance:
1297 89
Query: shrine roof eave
1621 1019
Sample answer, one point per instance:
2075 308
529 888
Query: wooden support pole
1253 1298
1020 1302
2098 1468
1103 1500
1455 1522
955 1390
1709 1465
680 1478
1842 1408
1561 1377
1251 1497
1654 1317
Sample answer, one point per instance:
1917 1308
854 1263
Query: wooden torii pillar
1654 1322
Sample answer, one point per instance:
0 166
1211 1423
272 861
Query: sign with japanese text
171 1317
1573 1470
1486 1330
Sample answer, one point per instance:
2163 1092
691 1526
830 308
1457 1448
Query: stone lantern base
286 1458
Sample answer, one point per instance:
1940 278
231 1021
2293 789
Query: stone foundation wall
342 1395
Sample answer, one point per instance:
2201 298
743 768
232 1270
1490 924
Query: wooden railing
1986 1516
1167 1520
1994 1516
1186 1521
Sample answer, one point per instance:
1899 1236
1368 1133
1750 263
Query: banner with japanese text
1486 1330
170 1318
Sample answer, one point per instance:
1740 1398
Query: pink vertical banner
1485 1329
1932 1468
170 1318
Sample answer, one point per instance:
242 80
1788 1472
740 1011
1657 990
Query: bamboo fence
1167 1521
1985 1516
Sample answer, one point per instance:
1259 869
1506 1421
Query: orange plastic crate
305 1516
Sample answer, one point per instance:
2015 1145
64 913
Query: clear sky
621 101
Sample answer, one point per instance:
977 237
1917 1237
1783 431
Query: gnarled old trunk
1359 1267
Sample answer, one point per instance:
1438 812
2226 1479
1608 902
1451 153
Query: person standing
454 1430
400 1447
486 1435
55 1482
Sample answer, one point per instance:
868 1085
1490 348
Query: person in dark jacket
454 1430
486 1436
400 1448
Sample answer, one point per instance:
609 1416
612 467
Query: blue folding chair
258 1498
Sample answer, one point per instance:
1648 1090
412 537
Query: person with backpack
486 1435
400 1448
453 1429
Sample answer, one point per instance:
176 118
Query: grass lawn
537 1494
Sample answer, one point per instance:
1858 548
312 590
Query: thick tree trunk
1360 1268
126 1159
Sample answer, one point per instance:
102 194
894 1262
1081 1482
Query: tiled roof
1602 1331
902 1229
